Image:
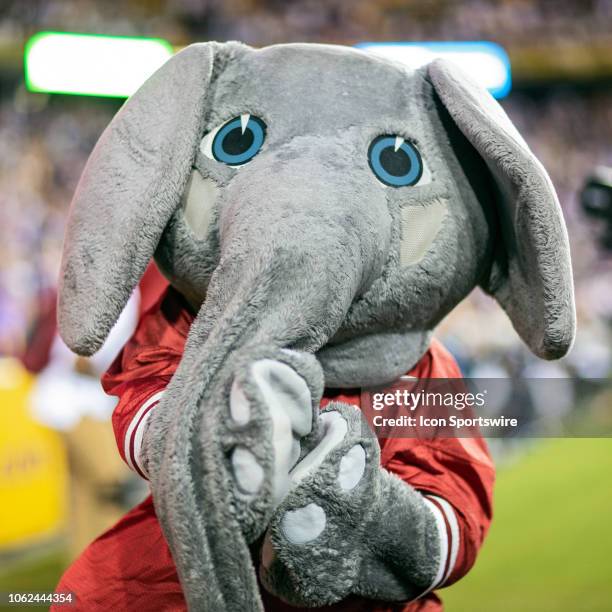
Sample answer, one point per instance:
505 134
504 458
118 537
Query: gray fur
531 275
302 252
127 193
379 541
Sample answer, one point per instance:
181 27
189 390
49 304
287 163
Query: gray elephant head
313 198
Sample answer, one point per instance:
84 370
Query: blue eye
395 161
239 140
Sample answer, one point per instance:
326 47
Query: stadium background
550 542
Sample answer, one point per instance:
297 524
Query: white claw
352 467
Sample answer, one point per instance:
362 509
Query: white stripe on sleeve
443 539
133 436
451 518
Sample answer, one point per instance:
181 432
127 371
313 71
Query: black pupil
237 142
396 163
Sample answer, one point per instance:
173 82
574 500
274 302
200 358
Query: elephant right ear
129 189
531 275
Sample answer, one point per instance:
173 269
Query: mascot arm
351 527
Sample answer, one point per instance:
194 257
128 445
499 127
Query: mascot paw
309 552
269 400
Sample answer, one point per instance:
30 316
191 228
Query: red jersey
130 566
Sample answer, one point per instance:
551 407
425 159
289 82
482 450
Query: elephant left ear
531 275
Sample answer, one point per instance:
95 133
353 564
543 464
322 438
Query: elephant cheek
198 202
420 226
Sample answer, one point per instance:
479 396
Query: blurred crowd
262 22
45 140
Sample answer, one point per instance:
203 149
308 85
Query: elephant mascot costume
321 209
